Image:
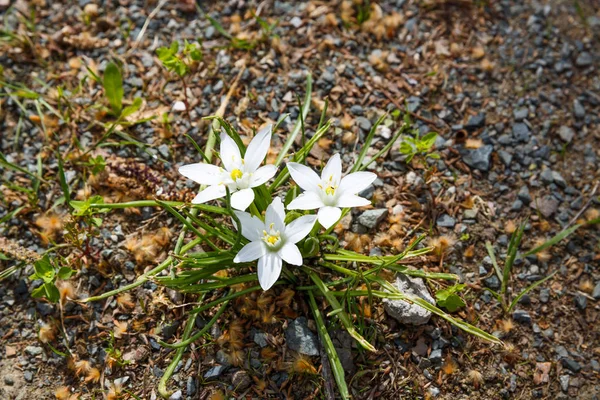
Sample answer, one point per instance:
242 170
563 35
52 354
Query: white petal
352 200
269 268
178 106
291 254
299 228
356 182
250 252
263 174
333 169
230 153
258 148
210 193
328 216
306 201
305 177
204 174
252 226
241 199
275 214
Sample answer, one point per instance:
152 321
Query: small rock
521 132
524 195
178 395
404 312
547 205
260 338
445 221
476 121
584 59
546 176
436 357
214 372
372 218
578 109
596 292
564 382
566 133
191 386
522 316
580 301
28 376
300 338
520 114
492 282
506 157
9 380
33 350
478 158
571 364
544 295
240 380
296 22
364 123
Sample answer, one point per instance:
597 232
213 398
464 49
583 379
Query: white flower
272 241
329 192
239 174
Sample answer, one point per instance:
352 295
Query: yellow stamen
272 239
330 190
236 174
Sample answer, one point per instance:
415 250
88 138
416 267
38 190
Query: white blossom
330 192
272 242
239 174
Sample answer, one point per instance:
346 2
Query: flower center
272 238
329 189
236 174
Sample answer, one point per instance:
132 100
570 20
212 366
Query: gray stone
521 132
492 282
33 350
214 372
260 338
240 380
436 356
566 133
546 176
584 59
520 113
559 180
544 295
596 292
356 109
580 301
571 364
578 109
478 158
524 195
296 22
445 221
476 121
300 338
547 205
9 380
506 157
372 218
191 386
564 382
364 123
409 313
522 316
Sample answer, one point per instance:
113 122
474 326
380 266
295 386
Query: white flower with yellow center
239 174
272 242
330 192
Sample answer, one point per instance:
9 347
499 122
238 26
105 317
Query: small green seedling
49 274
416 145
449 299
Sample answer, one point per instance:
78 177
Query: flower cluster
272 241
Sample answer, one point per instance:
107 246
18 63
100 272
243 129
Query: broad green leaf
428 140
113 87
65 273
448 298
44 269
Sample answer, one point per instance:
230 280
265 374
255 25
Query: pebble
364 123
214 372
178 395
571 364
445 221
578 109
564 382
596 291
300 338
409 313
9 380
521 132
580 301
191 386
476 121
372 218
240 380
522 316
33 350
520 114
524 194
296 22
478 158
566 133
584 59
356 110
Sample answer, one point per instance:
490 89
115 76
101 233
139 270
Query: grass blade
492 255
336 365
529 289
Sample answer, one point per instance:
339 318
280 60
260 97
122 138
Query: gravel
409 313
300 338
372 218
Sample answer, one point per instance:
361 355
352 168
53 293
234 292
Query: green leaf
65 273
47 290
448 298
44 269
127 111
3 257
428 140
113 87
406 148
